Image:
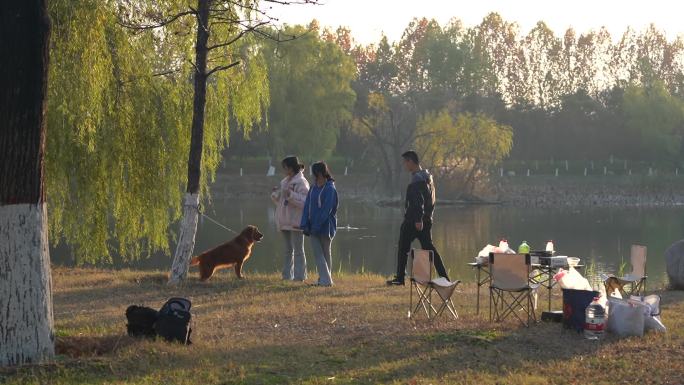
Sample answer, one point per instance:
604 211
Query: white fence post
240 171
556 172
585 171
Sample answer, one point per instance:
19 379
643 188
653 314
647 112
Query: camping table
484 277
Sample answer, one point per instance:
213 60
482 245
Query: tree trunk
186 239
26 323
388 176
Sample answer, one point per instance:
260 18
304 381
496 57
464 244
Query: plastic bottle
595 320
549 246
524 248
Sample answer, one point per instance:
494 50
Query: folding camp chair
421 268
510 289
636 279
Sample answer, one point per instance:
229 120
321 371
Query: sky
369 19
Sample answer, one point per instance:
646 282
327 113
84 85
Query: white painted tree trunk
26 324
186 239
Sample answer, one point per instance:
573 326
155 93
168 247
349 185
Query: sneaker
395 282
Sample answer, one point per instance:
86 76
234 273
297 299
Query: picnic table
544 278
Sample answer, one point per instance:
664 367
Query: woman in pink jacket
289 198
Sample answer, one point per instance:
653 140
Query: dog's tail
194 261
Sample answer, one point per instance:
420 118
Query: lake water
599 235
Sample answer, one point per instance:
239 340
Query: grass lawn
265 331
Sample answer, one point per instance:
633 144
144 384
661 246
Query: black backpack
141 321
173 322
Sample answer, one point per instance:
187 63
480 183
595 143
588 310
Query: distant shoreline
609 191
538 191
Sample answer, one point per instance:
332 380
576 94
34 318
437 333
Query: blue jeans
294 267
321 249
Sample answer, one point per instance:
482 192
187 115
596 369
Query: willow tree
26 323
119 118
116 133
226 35
462 147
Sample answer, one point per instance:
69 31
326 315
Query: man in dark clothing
420 203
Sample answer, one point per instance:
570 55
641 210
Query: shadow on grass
360 339
408 356
85 346
356 360
154 285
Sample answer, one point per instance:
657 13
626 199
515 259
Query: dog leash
214 220
217 223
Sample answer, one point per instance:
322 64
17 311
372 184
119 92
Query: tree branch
243 6
160 24
222 68
229 42
248 29
169 72
290 2
136 78
278 39
197 70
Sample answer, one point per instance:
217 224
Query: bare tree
235 19
26 321
389 124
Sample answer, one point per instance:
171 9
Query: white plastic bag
483 255
625 318
486 250
603 297
572 279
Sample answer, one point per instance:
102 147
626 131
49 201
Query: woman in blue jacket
319 220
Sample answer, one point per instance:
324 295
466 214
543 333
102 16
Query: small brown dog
233 253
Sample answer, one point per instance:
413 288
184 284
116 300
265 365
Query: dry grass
265 331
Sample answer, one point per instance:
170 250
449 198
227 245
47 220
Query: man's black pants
407 234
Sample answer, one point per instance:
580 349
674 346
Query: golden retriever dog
233 254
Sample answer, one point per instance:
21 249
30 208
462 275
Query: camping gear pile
625 317
586 309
